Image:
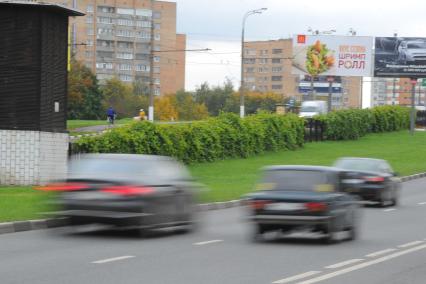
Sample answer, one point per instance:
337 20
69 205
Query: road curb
21 226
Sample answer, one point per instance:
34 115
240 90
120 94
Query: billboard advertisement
400 57
332 55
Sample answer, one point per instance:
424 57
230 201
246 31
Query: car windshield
360 165
309 109
295 180
416 45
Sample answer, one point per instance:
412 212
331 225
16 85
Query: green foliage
84 96
354 123
226 136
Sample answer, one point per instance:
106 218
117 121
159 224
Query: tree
140 88
120 96
214 98
84 95
165 108
188 108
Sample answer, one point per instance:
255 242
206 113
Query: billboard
332 55
400 57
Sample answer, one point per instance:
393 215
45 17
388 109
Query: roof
47 6
301 168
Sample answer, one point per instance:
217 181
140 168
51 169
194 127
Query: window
143 34
250 51
263 52
124 55
125 67
125 77
277 51
89 42
142 56
143 24
125 22
105 9
105 43
88 64
141 67
277 69
157 81
90 32
105 54
105 20
89 19
156 36
124 44
105 31
276 78
250 79
157 48
263 60
263 70
277 87
156 69
143 12
89 54
263 79
104 76
157 26
101 65
250 70
89 8
124 11
156 58
276 60
157 91
157 15
249 60
124 33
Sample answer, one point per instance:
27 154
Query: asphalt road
391 249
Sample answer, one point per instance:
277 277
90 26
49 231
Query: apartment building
395 91
114 39
267 68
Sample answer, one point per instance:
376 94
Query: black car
127 191
370 179
294 197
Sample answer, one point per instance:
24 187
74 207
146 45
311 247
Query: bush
354 123
226 136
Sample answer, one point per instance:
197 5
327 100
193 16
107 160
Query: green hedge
354 123
226 136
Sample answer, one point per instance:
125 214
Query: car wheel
257 234
331 234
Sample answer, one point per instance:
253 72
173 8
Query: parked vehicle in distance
293 197
127 191
311 108
370 179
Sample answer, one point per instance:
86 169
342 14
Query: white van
312 108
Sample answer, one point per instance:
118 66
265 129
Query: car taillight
374 179
258 204
316 206
63 187
126 190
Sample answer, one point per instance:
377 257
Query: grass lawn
73 124
229 179
21 203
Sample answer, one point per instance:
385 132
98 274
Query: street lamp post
249 13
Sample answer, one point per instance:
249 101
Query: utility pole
151 68
330 80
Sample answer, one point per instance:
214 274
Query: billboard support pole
330 80
413 109
312 88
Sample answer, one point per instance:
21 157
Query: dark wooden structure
33 66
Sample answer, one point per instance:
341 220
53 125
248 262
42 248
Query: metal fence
421 118
314 130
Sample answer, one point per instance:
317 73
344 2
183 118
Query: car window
296 180
360 165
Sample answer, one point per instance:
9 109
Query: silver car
412 51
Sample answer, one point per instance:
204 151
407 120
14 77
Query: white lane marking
422 203
390 209
410 244
296 277
112 259
380 252
361 265
207 242
344 263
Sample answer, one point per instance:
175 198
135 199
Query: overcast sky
216 24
